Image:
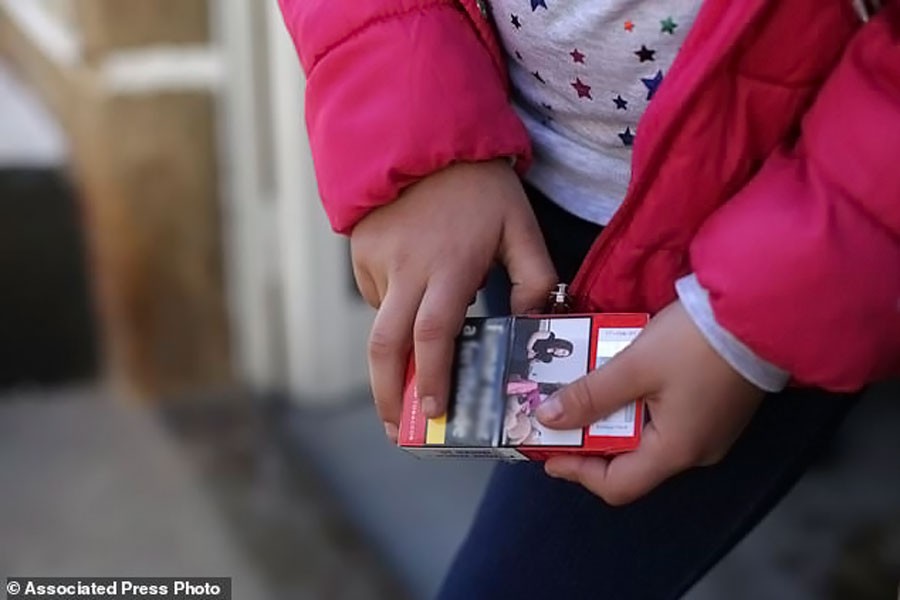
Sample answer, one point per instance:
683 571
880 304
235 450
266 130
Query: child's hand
420 261
699 406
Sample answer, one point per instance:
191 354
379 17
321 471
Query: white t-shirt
583 72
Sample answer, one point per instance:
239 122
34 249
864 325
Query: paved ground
837 535
92 487
298 504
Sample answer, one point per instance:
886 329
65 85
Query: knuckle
581 397
382 344
430 328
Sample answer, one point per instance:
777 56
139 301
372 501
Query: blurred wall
133 83
214 261
298 322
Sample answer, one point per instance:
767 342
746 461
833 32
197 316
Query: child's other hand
420 261
699 406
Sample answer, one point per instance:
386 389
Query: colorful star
627 137
537 76
584 90
645 53
668 25
577 56
536 3
629 26
652 84
514 19
621 103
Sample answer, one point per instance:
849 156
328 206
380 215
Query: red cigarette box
503 369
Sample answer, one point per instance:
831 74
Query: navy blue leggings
535 537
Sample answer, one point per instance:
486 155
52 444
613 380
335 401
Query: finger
392 432
371 286
366 285
524 253
389 346
438 322
626 477
598 394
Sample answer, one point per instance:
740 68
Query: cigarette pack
503 369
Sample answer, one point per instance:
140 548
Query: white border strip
59 42
147 70
163 69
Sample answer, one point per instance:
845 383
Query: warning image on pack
545 355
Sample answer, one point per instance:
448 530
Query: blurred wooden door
297 319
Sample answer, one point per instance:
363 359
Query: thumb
596 395
524 253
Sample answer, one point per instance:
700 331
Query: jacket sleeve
396 90
803 265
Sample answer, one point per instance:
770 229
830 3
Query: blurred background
182 350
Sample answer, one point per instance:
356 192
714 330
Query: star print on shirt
652 84
645 53
537 76
514 19
584 90
547 117
577 56
627 137
629 26
621 103
668 25
536 3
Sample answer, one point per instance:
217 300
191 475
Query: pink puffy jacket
769 162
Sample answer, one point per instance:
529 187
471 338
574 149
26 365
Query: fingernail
391 431
430 407
563 467
553 470
551 409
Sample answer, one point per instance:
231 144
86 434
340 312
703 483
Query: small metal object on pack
559 300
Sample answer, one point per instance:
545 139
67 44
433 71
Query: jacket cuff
742 359
390 105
